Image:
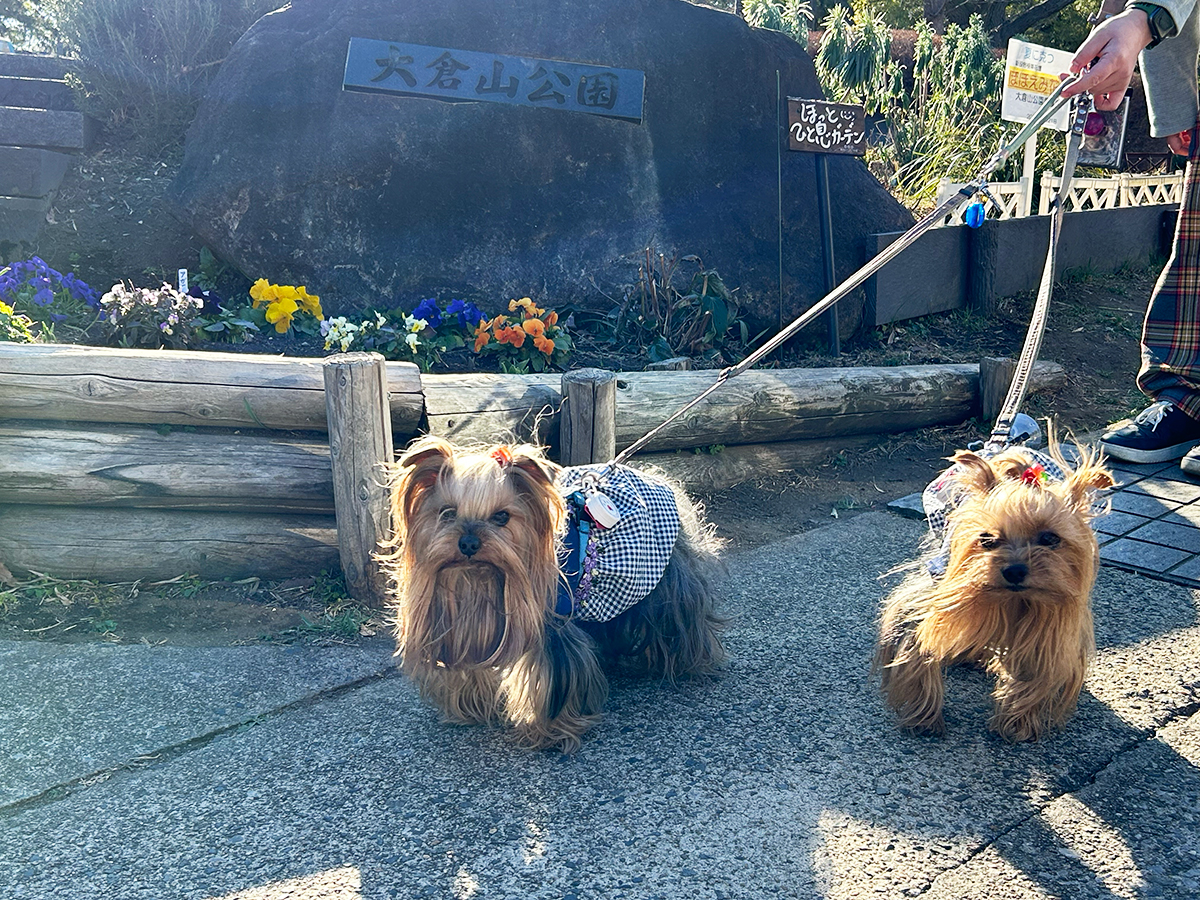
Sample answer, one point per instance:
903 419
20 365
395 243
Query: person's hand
1107 58
1180 143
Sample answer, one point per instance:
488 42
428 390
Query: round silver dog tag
602 511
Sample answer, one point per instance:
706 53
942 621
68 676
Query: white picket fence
1110 193
1015 198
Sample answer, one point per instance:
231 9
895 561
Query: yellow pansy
310 303
280 313
259 291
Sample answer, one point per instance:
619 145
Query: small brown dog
1008 587
502 611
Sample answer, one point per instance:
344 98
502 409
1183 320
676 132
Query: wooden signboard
390 67
820 127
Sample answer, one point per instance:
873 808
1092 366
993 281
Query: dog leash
1002 432
977 186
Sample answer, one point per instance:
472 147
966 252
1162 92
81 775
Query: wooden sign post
815 126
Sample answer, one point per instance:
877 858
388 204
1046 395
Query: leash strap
1052 105
1001 433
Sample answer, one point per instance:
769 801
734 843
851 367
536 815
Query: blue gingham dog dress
614 568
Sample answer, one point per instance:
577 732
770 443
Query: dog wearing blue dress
512 591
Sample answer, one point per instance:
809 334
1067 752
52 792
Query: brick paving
1154 526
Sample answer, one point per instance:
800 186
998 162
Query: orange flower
481 334
544 344
514 336
535 327
552 318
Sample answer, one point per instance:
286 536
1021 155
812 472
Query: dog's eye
500 519
989 541
1048 539
448 514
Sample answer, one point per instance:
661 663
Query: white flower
412 341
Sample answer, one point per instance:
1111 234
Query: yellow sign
1034 82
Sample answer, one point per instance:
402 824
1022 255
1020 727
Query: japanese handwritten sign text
414 69
820 127
1030 76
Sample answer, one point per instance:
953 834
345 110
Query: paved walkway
1154 527
264 773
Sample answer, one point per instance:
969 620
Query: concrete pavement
301 772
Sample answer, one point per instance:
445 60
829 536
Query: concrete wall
956 266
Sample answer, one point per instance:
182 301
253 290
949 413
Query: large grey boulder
370 198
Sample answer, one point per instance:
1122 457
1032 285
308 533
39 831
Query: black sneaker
1160 432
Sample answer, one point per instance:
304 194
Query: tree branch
1044 10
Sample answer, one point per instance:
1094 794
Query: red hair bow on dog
1035 474
502 456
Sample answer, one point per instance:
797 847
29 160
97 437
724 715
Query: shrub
792 17
946 124
146 65
700 320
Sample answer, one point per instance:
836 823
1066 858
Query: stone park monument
382 152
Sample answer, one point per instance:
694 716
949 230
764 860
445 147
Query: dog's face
476 561
1019 539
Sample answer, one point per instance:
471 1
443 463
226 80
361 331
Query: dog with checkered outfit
516 582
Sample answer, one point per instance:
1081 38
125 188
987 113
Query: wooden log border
121 465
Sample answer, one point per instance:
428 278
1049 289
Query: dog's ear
416 473
975 472
530 472
532 462
1081 485
425 449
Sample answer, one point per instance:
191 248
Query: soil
111 221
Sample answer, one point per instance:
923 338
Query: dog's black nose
1015 574
468 544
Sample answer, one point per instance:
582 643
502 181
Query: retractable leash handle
1049 107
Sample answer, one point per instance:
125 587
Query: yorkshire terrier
513 577
1007 585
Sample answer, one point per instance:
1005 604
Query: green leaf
659 350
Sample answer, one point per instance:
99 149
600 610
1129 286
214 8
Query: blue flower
43 297
428 310
468 313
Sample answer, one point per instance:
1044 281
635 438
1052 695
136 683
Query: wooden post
588 427
995 377
360 445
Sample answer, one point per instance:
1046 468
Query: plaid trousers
1171 333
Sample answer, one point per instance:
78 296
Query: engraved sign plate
417 70
820 127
